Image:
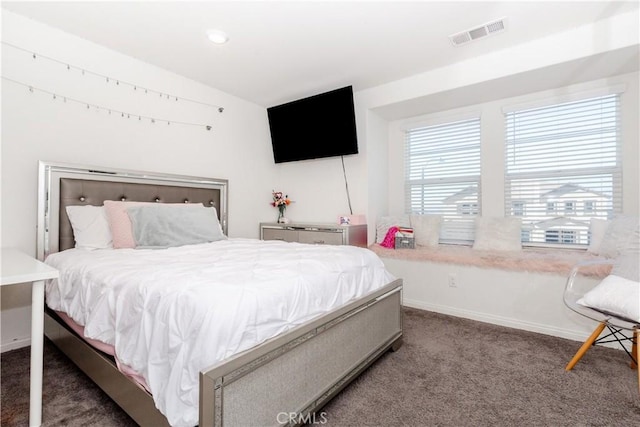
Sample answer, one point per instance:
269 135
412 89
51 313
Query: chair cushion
616 296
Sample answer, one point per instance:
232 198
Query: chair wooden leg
634 348
585 346
636 353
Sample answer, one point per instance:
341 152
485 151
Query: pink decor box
352 219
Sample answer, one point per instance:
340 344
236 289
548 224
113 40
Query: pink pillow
120 223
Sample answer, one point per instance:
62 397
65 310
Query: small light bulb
217 36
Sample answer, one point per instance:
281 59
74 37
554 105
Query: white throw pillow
627 266
597 229
426 229
622 236
615 295
386 222
90 227
498 234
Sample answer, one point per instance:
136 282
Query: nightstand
18 267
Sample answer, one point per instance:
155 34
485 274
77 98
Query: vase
281 217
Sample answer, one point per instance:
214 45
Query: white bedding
170 313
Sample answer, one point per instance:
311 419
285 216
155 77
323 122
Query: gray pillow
161 226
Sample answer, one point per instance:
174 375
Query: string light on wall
109 80
110 111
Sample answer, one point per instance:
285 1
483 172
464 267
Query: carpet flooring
449 372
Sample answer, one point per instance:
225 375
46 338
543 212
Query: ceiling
280 51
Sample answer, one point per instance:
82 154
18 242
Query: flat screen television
320 126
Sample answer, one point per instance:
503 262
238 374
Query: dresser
315 233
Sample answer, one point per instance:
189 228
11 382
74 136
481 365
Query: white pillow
627 266
498 234
615 295
597 229
426 229
386 222
90 227
622 236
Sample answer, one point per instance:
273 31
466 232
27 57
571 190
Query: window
563 160
551 208
517 208
589 207
560 236
442 175
569 207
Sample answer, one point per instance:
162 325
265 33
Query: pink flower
279 200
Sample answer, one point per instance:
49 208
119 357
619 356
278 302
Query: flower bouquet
280 201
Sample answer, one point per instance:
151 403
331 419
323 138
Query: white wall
618 32
523 300
36 127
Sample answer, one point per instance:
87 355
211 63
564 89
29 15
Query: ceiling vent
484 30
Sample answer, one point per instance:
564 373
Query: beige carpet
450 372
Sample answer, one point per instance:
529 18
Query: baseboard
15 344
503 321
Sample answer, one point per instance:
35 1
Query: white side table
18 267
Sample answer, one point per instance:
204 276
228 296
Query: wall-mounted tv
323 125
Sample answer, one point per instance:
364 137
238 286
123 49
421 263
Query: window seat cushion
538 260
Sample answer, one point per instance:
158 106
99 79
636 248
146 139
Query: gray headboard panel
62 185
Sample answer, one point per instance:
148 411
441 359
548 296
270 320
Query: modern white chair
619 328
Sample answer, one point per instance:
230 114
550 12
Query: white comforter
173 312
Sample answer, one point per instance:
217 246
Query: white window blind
442 175
563 168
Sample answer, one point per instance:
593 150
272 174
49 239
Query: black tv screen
319 126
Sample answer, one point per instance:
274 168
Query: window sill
537 260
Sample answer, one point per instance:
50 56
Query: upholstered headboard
65 185
89 192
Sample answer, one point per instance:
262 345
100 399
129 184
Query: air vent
476 33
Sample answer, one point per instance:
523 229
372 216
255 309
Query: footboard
284 381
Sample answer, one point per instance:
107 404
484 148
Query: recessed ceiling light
217 36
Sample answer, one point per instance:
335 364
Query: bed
282 380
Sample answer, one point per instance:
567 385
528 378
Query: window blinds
563 168
442 175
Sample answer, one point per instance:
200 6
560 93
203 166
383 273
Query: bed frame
283 381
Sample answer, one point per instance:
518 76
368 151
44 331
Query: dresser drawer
280 234
320 237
